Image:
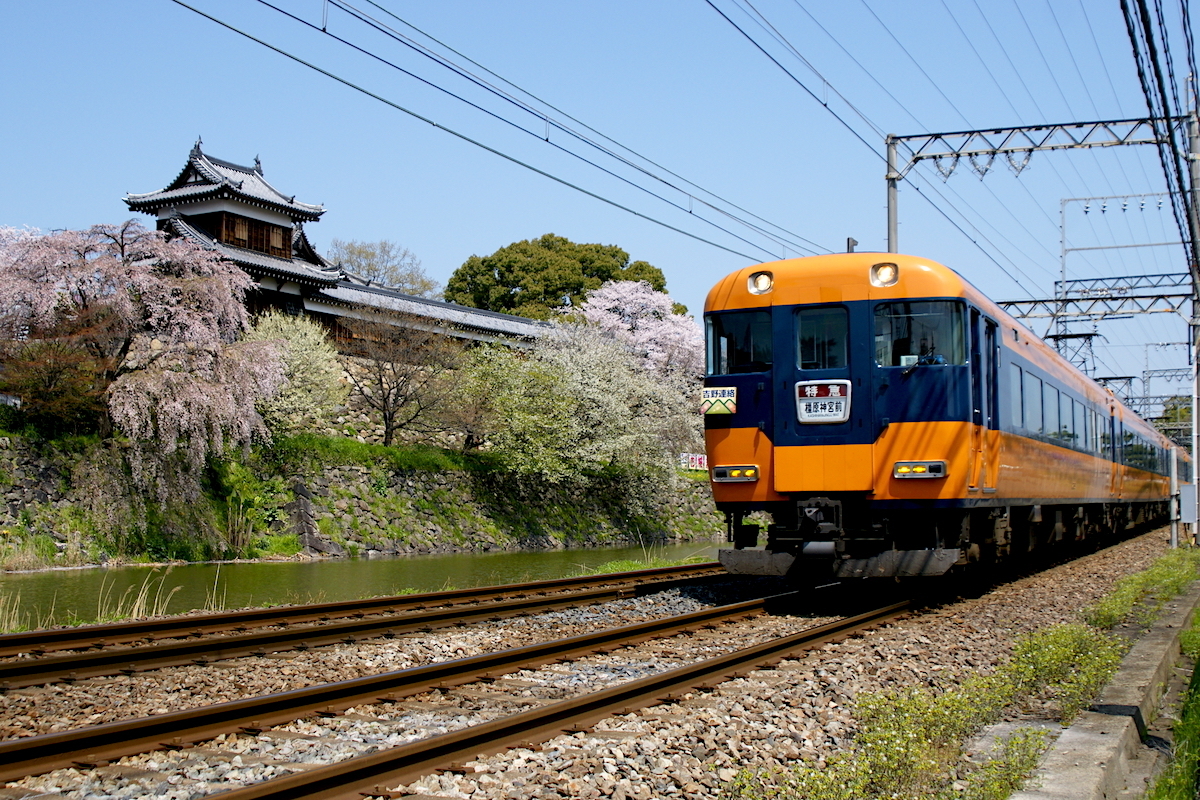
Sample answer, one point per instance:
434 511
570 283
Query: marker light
885 274
919 469
740 474
760 283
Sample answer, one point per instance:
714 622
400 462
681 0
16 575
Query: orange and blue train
874 415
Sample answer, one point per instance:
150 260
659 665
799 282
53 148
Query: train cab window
738 342
919 333
822 335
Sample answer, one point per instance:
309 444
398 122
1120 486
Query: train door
982 469
1113 431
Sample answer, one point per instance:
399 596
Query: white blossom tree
582 400
163 316
314 385
671 344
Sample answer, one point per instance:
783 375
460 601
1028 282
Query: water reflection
80 595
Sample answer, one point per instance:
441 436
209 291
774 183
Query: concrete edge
1091 759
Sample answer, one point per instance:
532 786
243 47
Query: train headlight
760 283
741 474
885 274
919 469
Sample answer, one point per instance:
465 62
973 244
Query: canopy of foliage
151 326
314 386
387 263
645 320
537 277
580 401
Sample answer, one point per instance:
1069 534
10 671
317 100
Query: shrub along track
351 777
202 639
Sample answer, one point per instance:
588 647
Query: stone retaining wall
354 510
362 511
27 478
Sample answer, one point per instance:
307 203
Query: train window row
1143 454
1043 410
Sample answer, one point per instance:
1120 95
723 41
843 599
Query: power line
456 134
871 147
506 121
549 121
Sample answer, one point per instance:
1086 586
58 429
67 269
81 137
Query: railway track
119 633
192 644
367 774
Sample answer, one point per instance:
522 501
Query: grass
1140 597
910 741
313 450
150 599
1178 780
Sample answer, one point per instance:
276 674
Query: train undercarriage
845 537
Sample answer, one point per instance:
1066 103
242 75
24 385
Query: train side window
1067 431
1017 397
1050 412
1033 403
822 334
738 342
1080 431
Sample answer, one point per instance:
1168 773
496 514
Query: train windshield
822 334
923 332
738 342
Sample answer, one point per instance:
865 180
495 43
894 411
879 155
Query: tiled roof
256 263
205 177
449 314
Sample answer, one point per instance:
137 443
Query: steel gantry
1017 145
1105 298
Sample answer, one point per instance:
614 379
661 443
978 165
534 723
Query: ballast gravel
801 710
46 709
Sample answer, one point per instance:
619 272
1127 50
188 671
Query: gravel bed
687 749
798 711
244 758
61 706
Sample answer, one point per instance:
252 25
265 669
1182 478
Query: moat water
84 595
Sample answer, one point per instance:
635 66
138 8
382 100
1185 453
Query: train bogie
875 415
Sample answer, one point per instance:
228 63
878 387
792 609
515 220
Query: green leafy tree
536 278
579 401
60 384
385 263
314 385
403 372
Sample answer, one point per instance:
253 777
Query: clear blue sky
102 98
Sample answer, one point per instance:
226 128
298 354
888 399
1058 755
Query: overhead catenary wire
556 123
515 125
854 132
458 135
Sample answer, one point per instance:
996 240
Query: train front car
856 399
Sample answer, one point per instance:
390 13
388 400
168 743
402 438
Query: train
874 415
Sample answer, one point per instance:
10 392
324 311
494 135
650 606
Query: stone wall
26 478
356 510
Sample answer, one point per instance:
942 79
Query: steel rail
362 775
101 743
97 636
129 660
